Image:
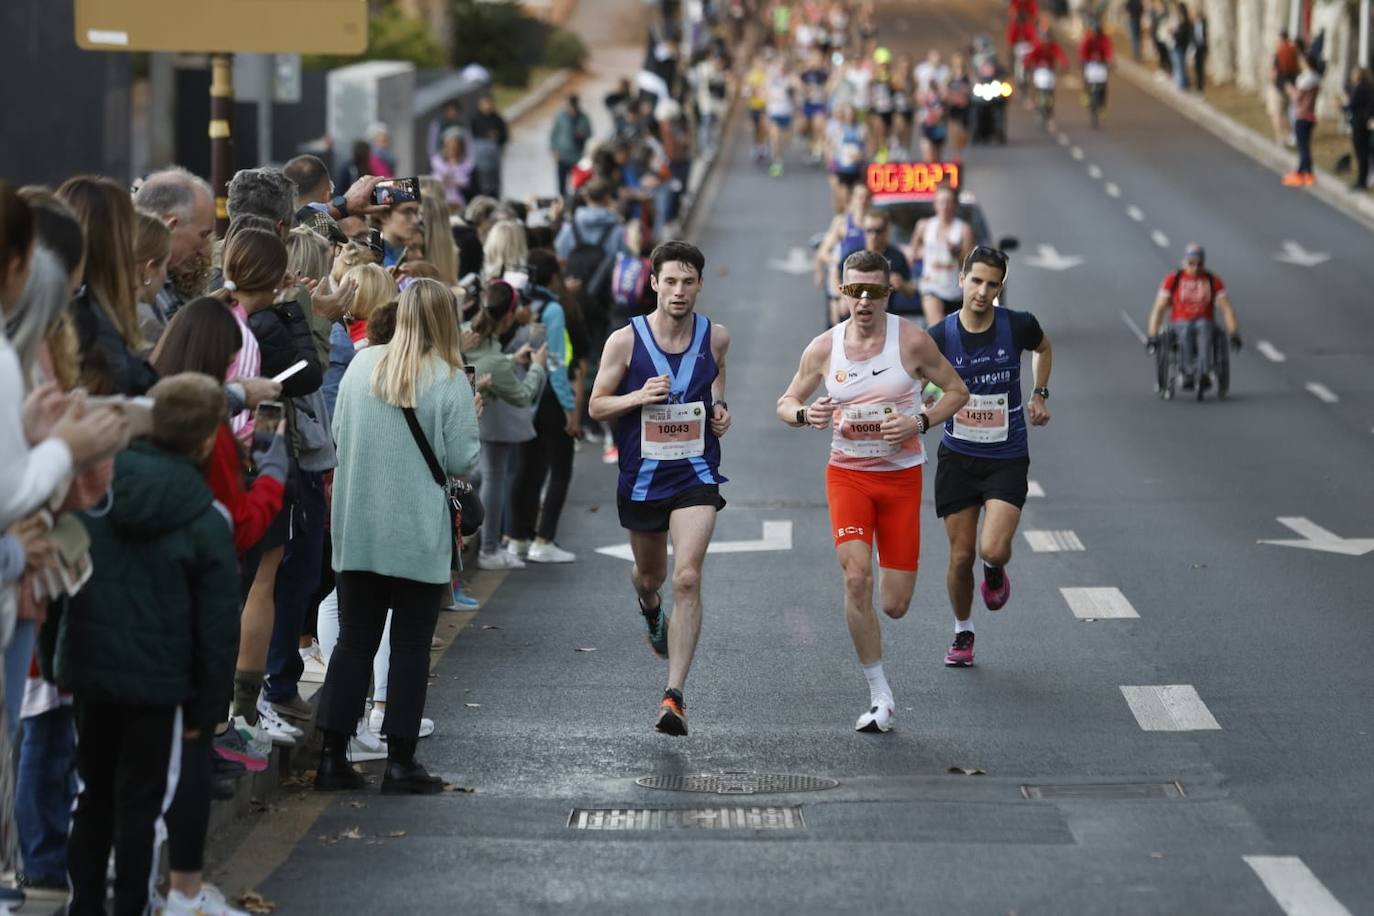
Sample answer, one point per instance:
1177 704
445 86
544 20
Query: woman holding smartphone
400 405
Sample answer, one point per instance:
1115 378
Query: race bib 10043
983 419
668 432
861 431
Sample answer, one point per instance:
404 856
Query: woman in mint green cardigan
391 529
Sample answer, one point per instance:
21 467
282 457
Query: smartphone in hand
267 415
392 191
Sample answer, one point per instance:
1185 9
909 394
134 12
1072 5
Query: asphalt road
1168 501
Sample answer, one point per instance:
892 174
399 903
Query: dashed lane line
1169 708
1077 152
1042 541
1098 603
1135 213
1034 490
1322 393
1063 139
1112 189
1294 888
1270 352
1159 239
1094 172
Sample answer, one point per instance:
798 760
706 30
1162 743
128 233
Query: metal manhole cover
719 818
739 783
1105 791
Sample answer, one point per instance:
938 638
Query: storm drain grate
723 818
1115 791
739 783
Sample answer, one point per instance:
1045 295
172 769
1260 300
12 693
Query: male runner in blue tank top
662 384
984 457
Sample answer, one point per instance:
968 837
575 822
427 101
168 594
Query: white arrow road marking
1112 189
1294 253
1135 328
1159 239
1048 258
797 262
1063 139
1315 537
1094 172
1053 541
776 536
1097 603
1169 708
1135 213
1034 490
1322 393
1270 352
1294 888
1076 152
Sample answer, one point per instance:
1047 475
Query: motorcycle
988 106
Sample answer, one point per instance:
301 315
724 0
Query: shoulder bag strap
435 470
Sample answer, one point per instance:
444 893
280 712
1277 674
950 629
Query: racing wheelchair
1167 359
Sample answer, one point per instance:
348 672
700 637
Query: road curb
538 95
1329 189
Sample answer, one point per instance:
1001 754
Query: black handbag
464 506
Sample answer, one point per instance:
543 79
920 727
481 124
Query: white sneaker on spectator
209 902
550 553
520 549
374 723
275 725
315 665
366 745
259 742
501 559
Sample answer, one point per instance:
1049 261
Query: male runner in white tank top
873 366
941 243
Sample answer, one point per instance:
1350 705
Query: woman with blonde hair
440 249
152 248
309 255
404 408
504 250
375 288
105 311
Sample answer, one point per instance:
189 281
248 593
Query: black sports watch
1043 392
922 423
801 416
339 203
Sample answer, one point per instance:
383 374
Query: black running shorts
962 481
651 516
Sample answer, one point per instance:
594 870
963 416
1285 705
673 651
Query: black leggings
548 455
189 817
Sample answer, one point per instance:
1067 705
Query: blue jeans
1181 67
18 655
44 791
1194 345
1302 133
297 578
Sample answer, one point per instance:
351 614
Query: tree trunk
1221 40
1251 60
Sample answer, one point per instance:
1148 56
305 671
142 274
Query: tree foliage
391 35
500 37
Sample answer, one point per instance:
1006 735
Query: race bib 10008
983 419
861 431
669 432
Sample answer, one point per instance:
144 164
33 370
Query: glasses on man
866 290
874 230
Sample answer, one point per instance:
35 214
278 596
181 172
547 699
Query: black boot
404 776
335 773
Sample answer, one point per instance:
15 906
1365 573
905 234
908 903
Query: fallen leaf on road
586 648
396 834
967 771
453 787
305 779
593 508
254 902
473 705
352 833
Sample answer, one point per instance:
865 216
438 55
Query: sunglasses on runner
866 290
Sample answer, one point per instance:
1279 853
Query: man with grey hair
185 203
265 192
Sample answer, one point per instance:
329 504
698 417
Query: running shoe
879 717
234 747
996 598
960 655
501 559
283 733
672 714
462 601
377 716
209 902
549 553
367 745
1293 180
657 624
610 454
520 548
775 170
255 736
313 665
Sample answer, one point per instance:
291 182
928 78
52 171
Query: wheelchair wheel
1164 366
1221 361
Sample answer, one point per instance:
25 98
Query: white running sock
963 626
877 681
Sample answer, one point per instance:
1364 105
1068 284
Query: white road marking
797 262
1169 708
1294 888
1034 490
1112 189
1314 537
1135 213
1063 139
1053 541
1094 172
776 536
1098 602
1076 152
1294 253
1270 352
1159 239
1049 258
1322 393
1135 328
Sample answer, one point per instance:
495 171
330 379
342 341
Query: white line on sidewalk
1159 239
1097 603
1294 888
1135 213
1053 541
1322 393
1169 708
1034 490
1094 172
1076 152
1270 352
1063 139
1112 189
1135 328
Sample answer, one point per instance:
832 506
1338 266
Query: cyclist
1095 53
1192 296
1044 62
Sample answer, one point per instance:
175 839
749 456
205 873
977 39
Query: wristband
723 405
801 416
923 422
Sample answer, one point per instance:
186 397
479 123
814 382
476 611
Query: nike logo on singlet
881 371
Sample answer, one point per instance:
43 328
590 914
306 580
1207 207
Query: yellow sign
235 26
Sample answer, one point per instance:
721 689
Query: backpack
589 263
629 280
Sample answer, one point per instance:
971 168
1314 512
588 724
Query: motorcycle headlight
1005 90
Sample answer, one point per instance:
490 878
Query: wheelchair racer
1192 296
